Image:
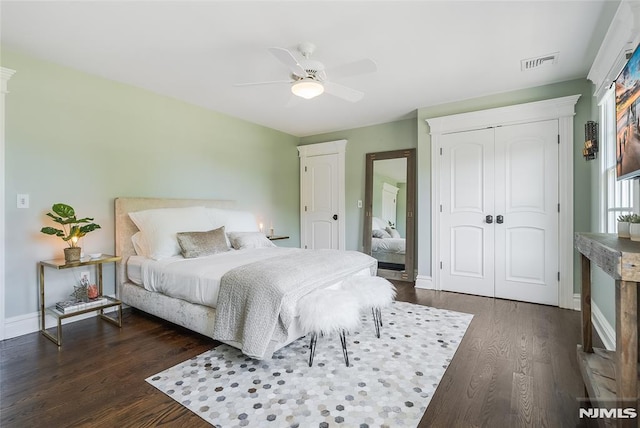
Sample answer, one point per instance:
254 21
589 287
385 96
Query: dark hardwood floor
515 367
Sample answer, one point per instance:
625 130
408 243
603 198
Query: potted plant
624 221
72 229
634 227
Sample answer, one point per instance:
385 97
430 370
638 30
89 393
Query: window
617 196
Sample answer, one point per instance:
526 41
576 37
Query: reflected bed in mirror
389 203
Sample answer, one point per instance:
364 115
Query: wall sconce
590 150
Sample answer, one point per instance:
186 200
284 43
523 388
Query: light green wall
80 139
83 140
376 138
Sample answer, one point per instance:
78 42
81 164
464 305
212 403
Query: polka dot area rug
389 382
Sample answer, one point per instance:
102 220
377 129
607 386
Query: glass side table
59 315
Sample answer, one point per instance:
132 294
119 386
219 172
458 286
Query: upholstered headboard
125 228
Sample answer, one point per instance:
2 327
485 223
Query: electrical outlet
85 277
359 204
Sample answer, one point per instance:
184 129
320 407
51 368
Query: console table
611 377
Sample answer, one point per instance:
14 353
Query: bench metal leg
312 348
343 341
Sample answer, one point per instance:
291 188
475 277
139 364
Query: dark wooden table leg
587 344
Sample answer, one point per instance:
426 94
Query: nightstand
52 311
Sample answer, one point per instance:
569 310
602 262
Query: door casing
337 148
562 109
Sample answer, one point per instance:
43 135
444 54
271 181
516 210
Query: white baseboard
577 303
600 324
606 332
424 282
30 323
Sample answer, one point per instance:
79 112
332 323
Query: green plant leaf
52 231
63 210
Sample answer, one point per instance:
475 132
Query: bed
199 293
387 245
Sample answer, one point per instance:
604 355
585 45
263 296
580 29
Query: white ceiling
427 52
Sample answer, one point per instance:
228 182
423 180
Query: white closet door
526 196
467 189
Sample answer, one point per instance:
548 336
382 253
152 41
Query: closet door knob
499 219
335 216
489 219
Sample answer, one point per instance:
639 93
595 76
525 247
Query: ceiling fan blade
289 60
343 92
273 82
363 66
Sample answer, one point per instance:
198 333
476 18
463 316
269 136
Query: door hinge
305 247
440 265
440 207
305 208
440 151
558 207
558 276
558 138
305 168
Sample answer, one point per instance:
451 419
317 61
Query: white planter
623 229
634 231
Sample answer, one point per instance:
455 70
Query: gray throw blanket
257 301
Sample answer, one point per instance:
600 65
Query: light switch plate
23 200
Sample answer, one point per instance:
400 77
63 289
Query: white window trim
607 140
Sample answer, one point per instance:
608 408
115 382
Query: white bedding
388 245
194 280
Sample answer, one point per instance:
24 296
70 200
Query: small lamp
307 88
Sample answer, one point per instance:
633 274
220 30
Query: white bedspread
195 280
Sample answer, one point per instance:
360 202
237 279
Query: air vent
537 62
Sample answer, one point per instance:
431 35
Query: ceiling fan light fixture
307 88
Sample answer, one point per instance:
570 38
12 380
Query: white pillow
159 227
393 232
139 244
241 221
217 216
240 240
380 233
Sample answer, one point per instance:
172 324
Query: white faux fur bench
325 312
372 293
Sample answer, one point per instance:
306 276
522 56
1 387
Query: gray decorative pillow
240 240
198 244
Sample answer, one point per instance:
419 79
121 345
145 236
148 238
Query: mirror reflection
389 226
389 208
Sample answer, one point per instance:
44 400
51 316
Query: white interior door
321 202
467 188
499 212
527 199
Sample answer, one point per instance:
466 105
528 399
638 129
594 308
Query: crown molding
622 37
5 75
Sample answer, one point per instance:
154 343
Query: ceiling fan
308 77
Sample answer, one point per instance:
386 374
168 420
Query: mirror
389 212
